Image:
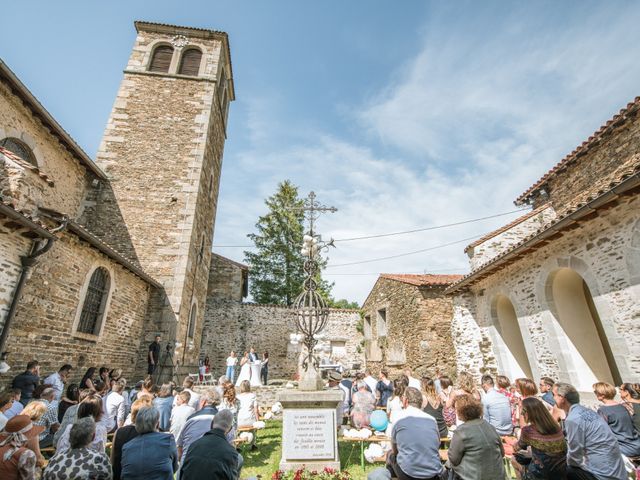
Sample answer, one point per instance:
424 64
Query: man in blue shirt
592 450
546 390
27 381
497 408
415 441
198 423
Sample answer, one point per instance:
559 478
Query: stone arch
580 324
28 140
509 344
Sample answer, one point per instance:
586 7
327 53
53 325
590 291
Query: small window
19 148
191 329
95 301
161 59
367 327
190 62
382 323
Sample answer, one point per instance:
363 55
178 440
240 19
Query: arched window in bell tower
161 59
190 62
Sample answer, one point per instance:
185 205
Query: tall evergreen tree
277 265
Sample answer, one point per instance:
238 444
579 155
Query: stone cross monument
311 414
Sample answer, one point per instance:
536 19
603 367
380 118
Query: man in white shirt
115 407
194 402
413 382
180 413
58 380
370 381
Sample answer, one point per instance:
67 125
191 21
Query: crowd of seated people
546 431
99 429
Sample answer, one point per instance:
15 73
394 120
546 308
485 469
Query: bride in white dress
245 369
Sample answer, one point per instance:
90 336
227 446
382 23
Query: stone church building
96 257
557 292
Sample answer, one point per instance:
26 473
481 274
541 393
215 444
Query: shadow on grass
262 463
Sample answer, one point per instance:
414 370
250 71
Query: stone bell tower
162 151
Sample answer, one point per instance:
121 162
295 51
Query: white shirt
194 401
3 421
179 416
414 382
115 408
371 383
232 361
247 410
55 380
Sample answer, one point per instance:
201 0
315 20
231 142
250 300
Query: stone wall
238 326
418 328
605 252
162 151
43 328
66 173
597 164
490 248
12 246
227 279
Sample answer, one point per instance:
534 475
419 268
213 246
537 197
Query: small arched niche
512 354
587 350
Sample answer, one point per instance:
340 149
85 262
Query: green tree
343 303
277 265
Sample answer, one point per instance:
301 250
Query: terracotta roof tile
10 203
627 172
508 226
618 118
25 164
422 280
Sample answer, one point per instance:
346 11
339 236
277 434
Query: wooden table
362 441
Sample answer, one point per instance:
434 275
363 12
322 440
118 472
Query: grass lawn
263 462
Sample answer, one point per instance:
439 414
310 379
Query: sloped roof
627 183
508 226
615 121
41 113
25 164
228 260
425 280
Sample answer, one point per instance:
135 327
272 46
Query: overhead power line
405 254
404 232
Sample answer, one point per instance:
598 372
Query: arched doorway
513 358
586 347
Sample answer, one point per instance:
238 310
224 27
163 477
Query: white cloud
476 120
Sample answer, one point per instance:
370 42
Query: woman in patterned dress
545 439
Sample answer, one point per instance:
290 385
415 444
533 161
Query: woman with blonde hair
617 417
433 405
248 412
35 410
466 385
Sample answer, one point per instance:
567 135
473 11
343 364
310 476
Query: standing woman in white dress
245 369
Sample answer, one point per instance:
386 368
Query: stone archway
579 329
510 348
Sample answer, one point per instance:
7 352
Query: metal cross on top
313 209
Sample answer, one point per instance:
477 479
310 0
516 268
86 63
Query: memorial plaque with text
309 434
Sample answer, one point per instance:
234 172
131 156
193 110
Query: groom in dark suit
253 356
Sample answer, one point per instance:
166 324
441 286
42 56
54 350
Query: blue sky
401 114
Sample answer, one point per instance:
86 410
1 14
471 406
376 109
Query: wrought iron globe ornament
310 308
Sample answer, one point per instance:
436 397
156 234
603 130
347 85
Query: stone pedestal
309 430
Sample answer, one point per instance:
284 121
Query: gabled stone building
98 257
407 323
557 292
232 324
